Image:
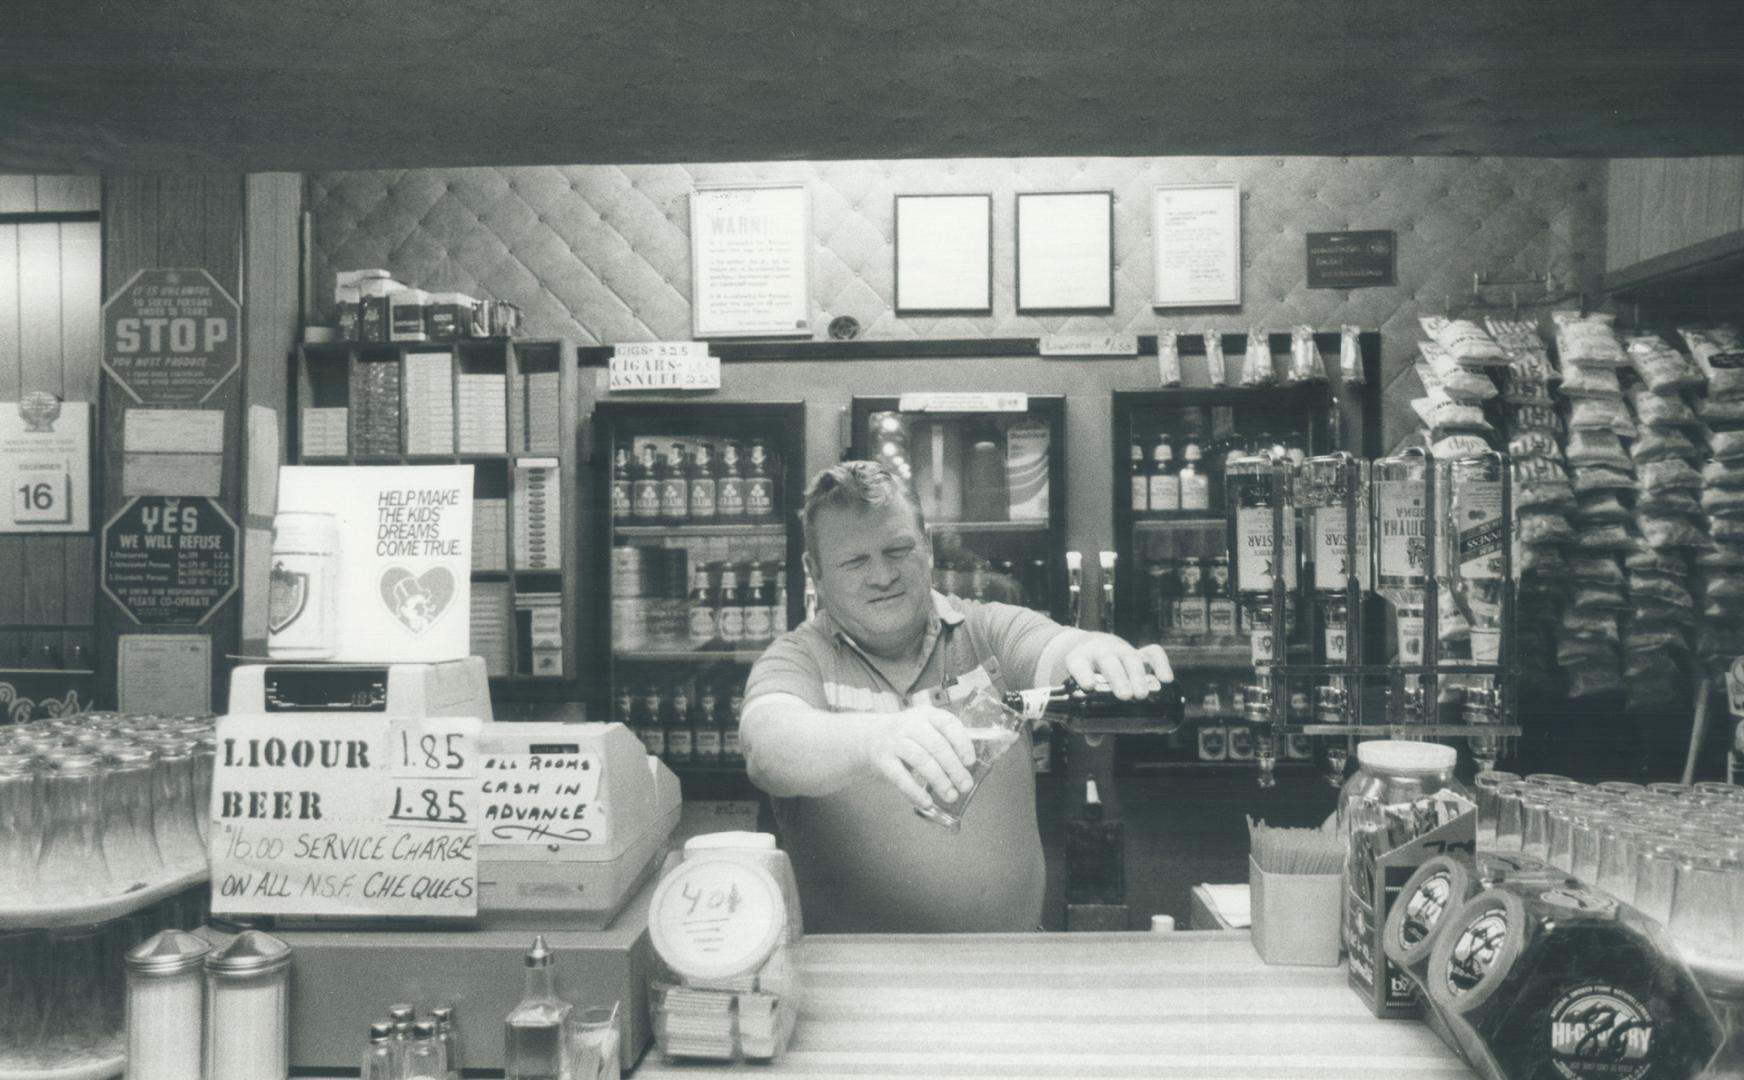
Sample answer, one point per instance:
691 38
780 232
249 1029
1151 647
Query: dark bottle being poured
1159 707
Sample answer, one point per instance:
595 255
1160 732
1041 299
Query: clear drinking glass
129 840
1676 791
993 729
70 863
1535 825
1620 787
1509 826
1656 879
1588 830
1487 787
1619 842
178 835
20 824
593 1044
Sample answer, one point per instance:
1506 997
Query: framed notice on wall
1065 251
1196 244
944 254
750 260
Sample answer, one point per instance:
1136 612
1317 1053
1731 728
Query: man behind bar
838 729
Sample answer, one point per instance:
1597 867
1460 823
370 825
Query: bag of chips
1462 445
1441 413
1643 559
1591 679
1540 483
1536 418
1657 444
1726 445
1662 588
1720 355
1727 530
1666 532
1727 474
1350 361
1541 528
1646 655
1466 340
1168 358
1602 478
1651 612
1660 410
1716 412
1601 414
1715 556
1661 367
1596 570
1673 473
1256 365
1588 339
1725 588
1723 501
1541 560
1438 368
1615 536
1600 507
1216 366
1676 503
1306 364
1596 448
1539 444
1589 380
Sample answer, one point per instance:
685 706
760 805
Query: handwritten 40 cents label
337 815
716 918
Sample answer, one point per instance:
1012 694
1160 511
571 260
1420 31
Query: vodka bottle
1400 546
1259 553
1328 487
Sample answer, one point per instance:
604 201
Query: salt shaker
165 1007
248 1008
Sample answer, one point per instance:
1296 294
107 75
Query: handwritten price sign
549 798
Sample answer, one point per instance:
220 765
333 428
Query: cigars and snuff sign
397 557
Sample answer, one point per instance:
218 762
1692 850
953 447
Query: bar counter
1188 1004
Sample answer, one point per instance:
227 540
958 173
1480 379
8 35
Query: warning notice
171 337
170 561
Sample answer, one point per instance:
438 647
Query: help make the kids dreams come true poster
402 538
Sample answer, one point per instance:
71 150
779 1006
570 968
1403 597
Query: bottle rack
1271 719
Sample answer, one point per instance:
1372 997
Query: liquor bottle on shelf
705 727
1401 569
645 482
674 488
704 610
702 484
1192 604
1327 486
1164 482
1141 482
759 485
675 718
1219 602
730 620
730 488
1162 706
1161 579
1259 551
1195 485
623 485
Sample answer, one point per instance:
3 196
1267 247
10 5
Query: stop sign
171 337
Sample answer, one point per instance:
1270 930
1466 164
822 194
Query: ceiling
243 85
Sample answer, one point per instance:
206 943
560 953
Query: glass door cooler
990 484
694 519
1180 458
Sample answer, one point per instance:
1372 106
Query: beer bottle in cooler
1220 601
623 485
675 718
645 720
759 485
703 485
730 622
1141 482
675 488
730 748
730 488
1195 484
1165 484
645 482
704 615
756 606
705 726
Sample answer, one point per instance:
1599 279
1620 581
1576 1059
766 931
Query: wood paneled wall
1658 205
164 222
50 300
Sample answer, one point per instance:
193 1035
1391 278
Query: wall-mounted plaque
1196 245
944 254
1065 251
1352 260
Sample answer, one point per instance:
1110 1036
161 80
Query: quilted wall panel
601 254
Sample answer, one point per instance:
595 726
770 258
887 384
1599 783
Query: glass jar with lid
1396 773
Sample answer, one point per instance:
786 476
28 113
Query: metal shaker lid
171 952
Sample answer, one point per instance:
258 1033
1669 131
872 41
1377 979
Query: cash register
589 900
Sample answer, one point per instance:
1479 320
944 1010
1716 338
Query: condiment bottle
248 1003
165 1007
378 1057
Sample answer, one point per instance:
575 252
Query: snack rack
1377 690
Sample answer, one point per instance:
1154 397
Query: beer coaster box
404 545
1372 889
1295 916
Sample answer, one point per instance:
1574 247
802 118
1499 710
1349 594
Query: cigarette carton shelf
988 526
501 406
661 532
1166 520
